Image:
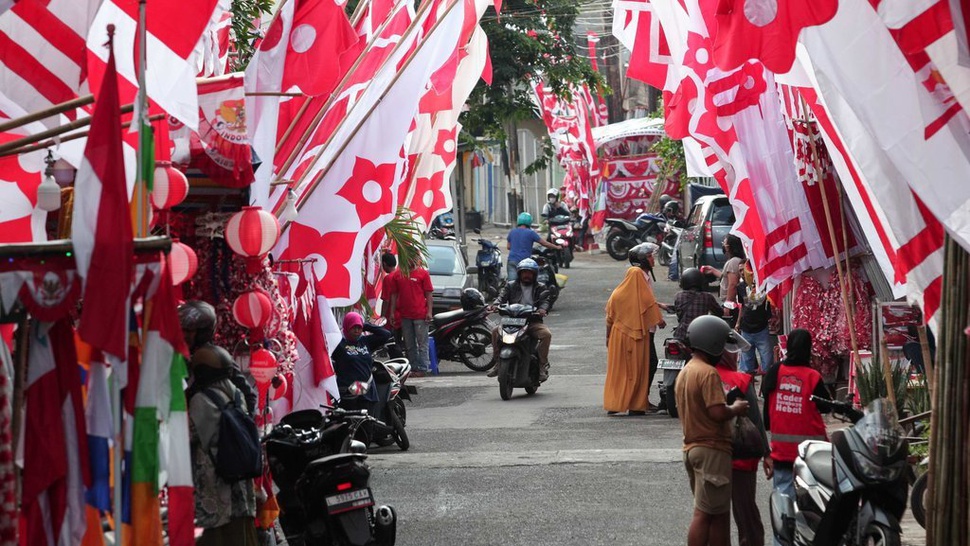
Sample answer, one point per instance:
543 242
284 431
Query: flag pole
339 90
319 176
843 283
140 196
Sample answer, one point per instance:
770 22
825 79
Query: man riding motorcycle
527 291
553 206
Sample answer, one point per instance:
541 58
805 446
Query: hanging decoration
253 310
170 186
252 233
182 262
263 368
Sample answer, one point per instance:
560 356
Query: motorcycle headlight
874 472
561 242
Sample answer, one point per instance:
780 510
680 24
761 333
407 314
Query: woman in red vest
744 484
789 413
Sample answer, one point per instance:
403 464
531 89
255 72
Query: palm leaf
406 234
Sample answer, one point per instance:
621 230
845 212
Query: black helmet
198 316
472 299
640 253
713 336
692 279
664 199
672 208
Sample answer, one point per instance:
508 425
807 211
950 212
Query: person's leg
544 336
700 528
421 344
749 359
410 343
762 341
784 482
747 517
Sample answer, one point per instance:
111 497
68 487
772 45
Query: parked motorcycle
465 335
389 412
668 244
561 233
547 272
624 235
518 359
442 227
489 263
323 481
851 491
676 355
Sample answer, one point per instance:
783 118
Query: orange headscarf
632 308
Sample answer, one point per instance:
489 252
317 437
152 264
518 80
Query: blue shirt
521 240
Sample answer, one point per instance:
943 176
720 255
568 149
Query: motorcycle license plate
670 364
513 321
350 500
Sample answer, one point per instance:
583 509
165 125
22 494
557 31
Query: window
722 214
443 260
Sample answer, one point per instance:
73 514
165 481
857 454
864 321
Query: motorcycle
518 359
624 235
668 245
851 491
547 272
323 481
489 263
676 355
390 414
561 233
464 335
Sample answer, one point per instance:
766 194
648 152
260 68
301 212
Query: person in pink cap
352 360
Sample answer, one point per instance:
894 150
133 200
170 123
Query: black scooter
545 257
390 414
518 359
489 264
851 491
323 481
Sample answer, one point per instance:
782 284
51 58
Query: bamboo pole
74 136
835 246
319 176
338 91
928 365
47 112
19 382
57 131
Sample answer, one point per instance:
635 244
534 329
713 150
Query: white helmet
553 192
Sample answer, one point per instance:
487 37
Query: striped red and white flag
101 225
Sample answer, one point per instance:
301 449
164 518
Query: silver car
449 274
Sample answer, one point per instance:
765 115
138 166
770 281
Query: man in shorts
705 417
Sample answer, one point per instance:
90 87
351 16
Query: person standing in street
632 317
731 274
705 416
224 510
520 241
411 299
790 414
744 472
391 276
754 314
693 301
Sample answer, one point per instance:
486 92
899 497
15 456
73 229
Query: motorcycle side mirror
472 270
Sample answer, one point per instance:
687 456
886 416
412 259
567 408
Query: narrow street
550 468
547 469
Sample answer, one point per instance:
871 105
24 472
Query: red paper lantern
252 309
252 233
170 186
262 366
182 262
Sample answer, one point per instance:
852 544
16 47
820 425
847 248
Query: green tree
244 32
529 37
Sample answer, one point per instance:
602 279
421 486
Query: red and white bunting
171 67
21 221
358 193
637 27
212 52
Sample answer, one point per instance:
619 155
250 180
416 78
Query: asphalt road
545 469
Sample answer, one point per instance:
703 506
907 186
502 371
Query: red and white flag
43 54
174 28
319 38
960 13
902 106
101 226
212 52
357 193
224 154
636 27
20 175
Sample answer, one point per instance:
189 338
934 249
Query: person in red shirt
411 300
744 472
391 274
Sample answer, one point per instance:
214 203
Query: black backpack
240 454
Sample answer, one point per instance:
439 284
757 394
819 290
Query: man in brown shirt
705 416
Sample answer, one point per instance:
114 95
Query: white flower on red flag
368 189
766 30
